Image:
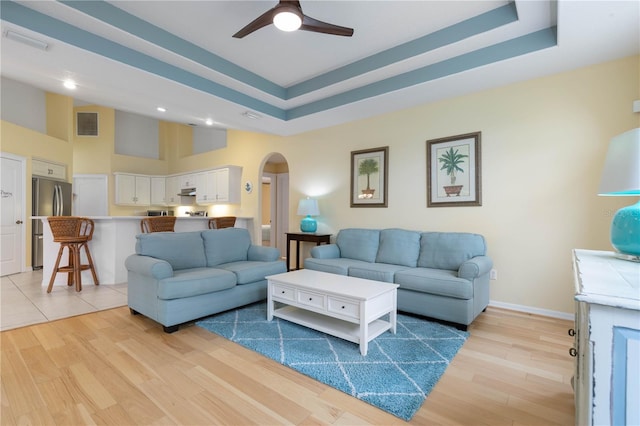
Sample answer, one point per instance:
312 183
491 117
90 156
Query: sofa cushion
338 266
375 271
399 247
442 282
448 250
359 244
226 245
183 250
193 282
249 271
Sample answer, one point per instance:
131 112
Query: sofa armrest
263 253
475 267
326 251
150 266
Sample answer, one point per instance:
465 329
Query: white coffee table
346 307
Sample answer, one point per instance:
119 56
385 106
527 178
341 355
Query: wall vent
87 123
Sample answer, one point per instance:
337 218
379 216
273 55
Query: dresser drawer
344 307
311 299
282 292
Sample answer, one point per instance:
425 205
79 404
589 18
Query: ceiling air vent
87 123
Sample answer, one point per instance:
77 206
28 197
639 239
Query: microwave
160 213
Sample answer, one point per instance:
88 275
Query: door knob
18 222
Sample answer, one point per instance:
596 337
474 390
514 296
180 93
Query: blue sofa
442 275
176 277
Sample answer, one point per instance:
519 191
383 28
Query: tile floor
24 301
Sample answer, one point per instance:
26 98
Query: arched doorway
274 198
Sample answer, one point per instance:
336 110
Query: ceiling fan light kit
288 19
287 16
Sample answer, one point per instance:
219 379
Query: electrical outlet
493 275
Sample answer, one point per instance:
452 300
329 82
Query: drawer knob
572 332
282 291
342 306
311 298
573 352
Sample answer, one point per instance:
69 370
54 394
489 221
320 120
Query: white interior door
282 208
90 195
12 215
271 203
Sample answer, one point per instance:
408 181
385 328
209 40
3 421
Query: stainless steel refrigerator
50 198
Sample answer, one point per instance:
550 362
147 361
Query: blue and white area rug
397 374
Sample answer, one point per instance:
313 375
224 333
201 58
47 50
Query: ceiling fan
287 16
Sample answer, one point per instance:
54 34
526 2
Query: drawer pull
572 332
282 292
311 298
573 352
343 306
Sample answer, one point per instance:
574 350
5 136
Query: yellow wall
543 147
59 116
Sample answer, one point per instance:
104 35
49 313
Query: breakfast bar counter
114 238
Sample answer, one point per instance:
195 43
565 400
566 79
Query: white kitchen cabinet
172 188
188 181
133 190
205 187
48 169
158 191
219 186
607 336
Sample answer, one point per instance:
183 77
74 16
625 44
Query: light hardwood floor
113 368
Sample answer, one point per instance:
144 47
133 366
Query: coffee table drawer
311 299
283 292
344 307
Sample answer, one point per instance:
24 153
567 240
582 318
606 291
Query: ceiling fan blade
310 24
261 21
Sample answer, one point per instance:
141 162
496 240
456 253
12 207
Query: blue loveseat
176 277
442 275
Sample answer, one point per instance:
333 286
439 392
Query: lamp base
308 224
625 230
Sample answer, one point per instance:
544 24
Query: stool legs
74 267
90 265
55 268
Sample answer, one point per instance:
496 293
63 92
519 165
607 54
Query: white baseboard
532 310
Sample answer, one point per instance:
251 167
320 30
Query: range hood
187 192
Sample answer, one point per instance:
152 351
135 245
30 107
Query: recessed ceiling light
69 84
161 109
209 122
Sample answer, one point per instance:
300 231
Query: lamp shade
621 177
621 174
307 208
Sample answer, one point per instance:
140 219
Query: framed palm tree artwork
453 171
369 177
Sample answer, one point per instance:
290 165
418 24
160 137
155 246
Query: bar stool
74 233
157 224
222 222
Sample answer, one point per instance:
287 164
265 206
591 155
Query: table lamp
620 178
308 207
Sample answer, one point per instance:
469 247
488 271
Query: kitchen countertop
114 238
141 217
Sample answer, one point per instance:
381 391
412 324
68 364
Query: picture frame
369 177
454 177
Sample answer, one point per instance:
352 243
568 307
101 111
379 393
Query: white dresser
607 378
